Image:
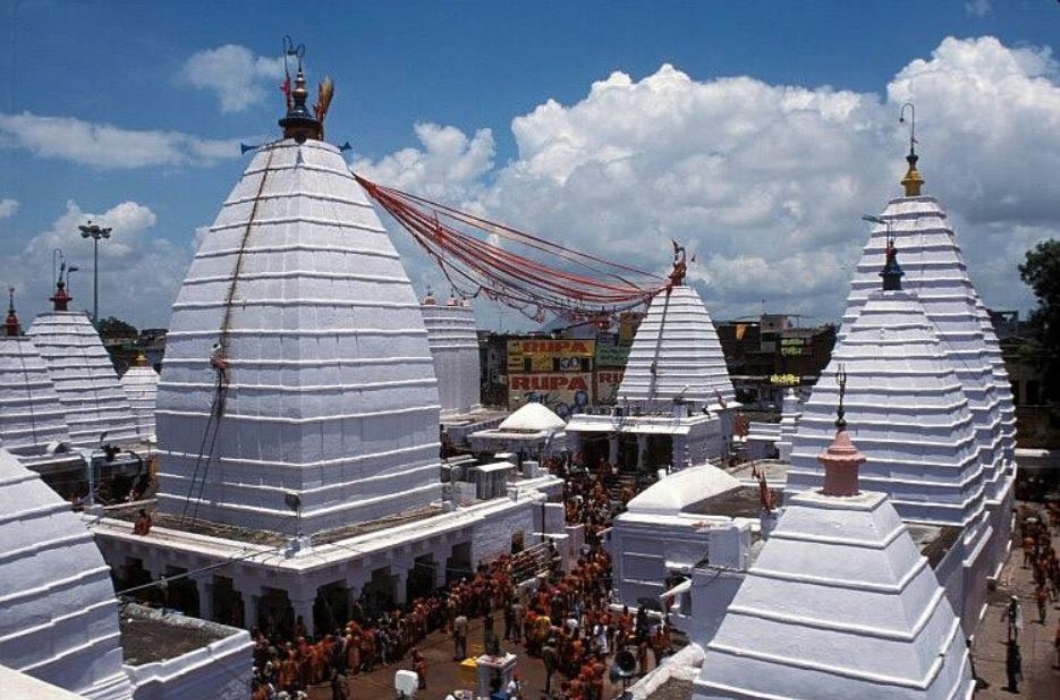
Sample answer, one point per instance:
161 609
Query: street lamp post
883 222
95 232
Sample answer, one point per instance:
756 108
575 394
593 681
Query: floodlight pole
95 232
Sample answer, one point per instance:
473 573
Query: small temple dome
681 489
58 613
141 386
676 354
839 604
88 387
531 418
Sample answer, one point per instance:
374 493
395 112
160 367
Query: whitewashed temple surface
676 354
331 390
88 387
935 269
58 613
839 604
141 386
453 339
30 415
910 414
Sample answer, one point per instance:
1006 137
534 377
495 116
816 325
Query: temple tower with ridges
298 391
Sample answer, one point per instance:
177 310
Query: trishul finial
913 181
677 275
912 125
11 325
841 379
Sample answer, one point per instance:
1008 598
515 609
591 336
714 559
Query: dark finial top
299 124
62 298
841 378
11 325
892 272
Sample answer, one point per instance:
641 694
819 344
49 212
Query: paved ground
1041 677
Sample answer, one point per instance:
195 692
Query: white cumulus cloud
139 273
8 207
766 183
108 147
238 77
448 164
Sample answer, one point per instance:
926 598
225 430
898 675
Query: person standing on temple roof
143 524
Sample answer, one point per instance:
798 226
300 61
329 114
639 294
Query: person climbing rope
219 361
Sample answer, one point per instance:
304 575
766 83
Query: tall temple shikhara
326 409
933 403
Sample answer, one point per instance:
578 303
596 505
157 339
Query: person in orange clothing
143 523
289 672
419 665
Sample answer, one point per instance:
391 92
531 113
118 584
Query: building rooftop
148 635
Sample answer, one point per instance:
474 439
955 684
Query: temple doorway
331 610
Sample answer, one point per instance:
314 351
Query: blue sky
130 112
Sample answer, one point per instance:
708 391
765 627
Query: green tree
1041 272
114 327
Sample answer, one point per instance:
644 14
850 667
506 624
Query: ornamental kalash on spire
321 391
299 124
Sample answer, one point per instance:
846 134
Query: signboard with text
546 355
566 393
607 383
612 355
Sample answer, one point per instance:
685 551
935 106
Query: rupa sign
540 355
565 393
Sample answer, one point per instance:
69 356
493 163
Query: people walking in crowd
563 619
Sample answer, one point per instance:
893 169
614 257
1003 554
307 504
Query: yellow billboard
546 355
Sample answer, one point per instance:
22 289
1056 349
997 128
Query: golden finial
913 181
